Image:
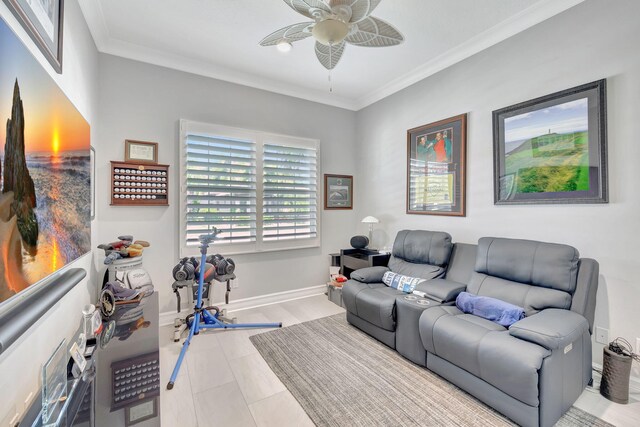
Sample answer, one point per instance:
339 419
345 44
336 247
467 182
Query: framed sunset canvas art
45 203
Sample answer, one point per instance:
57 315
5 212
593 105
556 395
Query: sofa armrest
369 274
441 290
552 328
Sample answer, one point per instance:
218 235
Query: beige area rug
342 377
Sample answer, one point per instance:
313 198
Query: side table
408 342
354 259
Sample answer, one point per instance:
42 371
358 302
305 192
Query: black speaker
359 242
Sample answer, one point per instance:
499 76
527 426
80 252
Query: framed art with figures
436 155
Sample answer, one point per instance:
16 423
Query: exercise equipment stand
202 317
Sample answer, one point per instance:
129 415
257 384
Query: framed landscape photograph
552 149
42 19
338 191
436 155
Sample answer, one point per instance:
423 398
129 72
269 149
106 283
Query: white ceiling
219 38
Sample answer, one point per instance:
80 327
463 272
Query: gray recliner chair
371 304
535 370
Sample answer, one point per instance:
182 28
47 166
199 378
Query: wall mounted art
140 152
43 21
45 204
552 149
338 191
436 155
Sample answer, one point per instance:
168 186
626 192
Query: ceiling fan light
330 31
284 46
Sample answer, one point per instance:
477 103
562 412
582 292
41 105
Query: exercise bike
202 318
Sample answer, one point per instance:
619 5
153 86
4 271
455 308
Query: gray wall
592 41
145 102
20 365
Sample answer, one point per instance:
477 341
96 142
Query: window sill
193 251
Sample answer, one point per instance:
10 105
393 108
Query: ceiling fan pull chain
330 67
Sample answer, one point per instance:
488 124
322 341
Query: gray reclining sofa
371 305
531 372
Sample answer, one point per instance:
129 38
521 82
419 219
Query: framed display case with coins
136 184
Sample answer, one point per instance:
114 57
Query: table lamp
370 220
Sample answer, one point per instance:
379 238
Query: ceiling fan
335 23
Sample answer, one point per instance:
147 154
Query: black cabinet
354 259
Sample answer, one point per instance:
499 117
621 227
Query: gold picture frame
141 152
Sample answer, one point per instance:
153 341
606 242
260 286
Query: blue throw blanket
493 309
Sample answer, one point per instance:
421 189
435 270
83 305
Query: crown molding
519 22
92 11
105 43
208 69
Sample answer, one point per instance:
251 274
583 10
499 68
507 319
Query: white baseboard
168 317
634 382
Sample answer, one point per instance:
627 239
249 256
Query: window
289 195
260 189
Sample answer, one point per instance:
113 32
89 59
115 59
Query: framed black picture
43 21
552 149
338 191
436 155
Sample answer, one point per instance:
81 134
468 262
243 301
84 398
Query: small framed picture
338 191
141 152
140 412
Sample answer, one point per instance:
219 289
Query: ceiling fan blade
305 7
291 33
329 60
360 9
374 32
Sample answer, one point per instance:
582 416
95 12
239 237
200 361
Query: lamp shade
370 220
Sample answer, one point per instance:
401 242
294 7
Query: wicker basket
616 369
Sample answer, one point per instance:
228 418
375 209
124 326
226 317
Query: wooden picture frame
436 167
44 26
141 152
552 149
338 192
139 184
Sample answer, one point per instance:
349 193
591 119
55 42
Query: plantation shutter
290 190
221 188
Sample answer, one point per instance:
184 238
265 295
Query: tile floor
225 382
